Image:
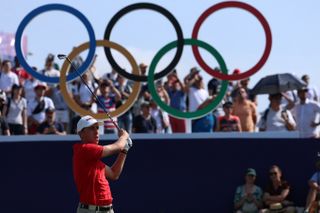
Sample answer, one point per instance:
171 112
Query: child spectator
228 122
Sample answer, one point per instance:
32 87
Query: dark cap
16 86
194 70
227 104
275 95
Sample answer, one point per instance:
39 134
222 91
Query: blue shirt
177 100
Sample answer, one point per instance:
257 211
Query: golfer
90 173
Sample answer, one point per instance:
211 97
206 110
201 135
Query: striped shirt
110 105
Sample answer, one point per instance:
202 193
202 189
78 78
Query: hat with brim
251 171
40 86
86 121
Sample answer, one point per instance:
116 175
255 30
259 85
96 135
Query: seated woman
313 198
248 197
276 196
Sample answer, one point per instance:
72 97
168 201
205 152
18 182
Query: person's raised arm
113 172
116 147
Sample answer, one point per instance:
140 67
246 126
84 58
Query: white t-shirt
7 80
32 104
84 93
14 115
274 120
51 72
156 114
313 93
304 115
196 97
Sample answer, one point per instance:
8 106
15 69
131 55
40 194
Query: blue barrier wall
160 176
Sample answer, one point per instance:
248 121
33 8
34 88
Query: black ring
156 8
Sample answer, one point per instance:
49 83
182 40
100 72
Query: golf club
61 56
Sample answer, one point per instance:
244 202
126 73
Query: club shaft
94 95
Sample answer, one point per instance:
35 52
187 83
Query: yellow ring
70 101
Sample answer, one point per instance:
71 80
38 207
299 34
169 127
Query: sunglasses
272 173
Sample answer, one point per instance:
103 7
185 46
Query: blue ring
45 8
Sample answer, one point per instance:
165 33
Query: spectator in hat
22 74
228 122
36 108
4 127
49 67
177 95
144 123
248 197
7 77
50 70
49 126
304 113
313 92
16 111
110 95
197 96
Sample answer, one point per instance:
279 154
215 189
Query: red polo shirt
89 174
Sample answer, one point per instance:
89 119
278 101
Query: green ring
172 111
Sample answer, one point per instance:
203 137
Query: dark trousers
16 129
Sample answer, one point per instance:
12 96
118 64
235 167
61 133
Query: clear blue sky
235 33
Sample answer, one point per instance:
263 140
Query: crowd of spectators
276 196
28 106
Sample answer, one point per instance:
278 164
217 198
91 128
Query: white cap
86 121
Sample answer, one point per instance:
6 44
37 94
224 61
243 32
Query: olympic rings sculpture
179 44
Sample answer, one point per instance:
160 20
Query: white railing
213 135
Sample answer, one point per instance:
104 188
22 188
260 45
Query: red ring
265 26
